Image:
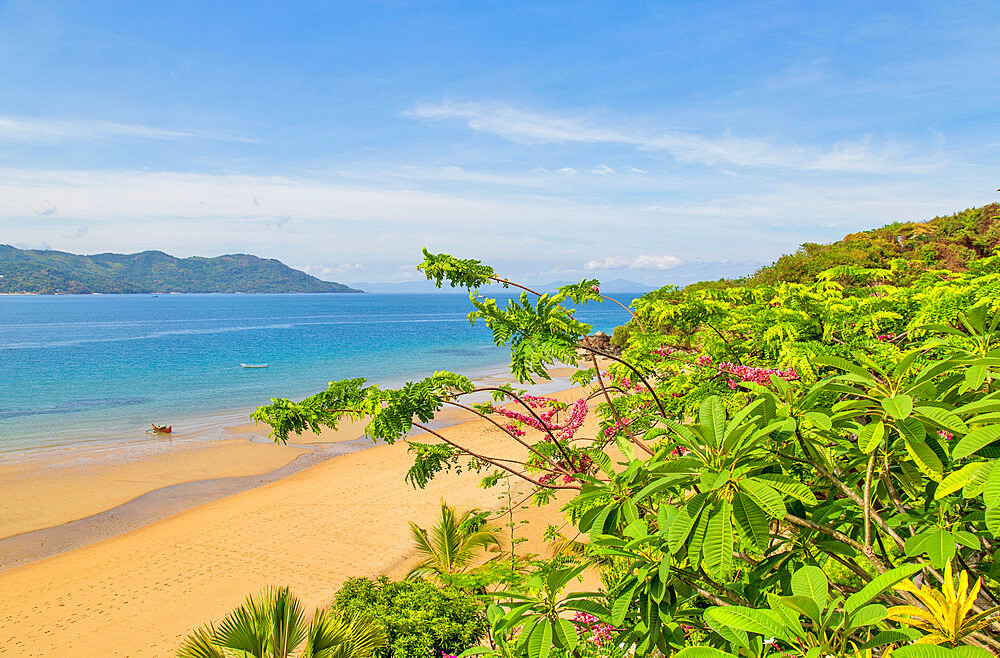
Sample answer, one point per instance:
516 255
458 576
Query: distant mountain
54 272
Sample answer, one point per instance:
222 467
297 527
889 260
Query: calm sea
89 369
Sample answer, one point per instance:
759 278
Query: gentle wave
218 330
70 407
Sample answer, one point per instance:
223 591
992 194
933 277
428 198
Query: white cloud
725 149
16 129
640 262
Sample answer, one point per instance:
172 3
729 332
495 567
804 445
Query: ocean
79 370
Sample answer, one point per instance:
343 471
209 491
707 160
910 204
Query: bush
421 619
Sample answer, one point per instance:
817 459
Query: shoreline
342 517
97 493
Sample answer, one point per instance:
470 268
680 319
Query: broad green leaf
967 539
788 486
566 634
845 365
762 622
891 637
899 406
871 436
926 459
975 376
934 651
878 585
940 547
975 440
959 479
801 605
868 615
718 545
993 520
944 418
916 545
820 420
684 522
540 640
764 497
979 481
912 430
620 608
712 416
991 490
751 521
702 652
811 582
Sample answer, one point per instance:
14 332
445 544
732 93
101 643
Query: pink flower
757 375
704 360
596 289
947 436
732 383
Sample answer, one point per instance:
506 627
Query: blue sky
658 142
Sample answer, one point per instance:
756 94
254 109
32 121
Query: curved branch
628 365
627 310
504 429
524 477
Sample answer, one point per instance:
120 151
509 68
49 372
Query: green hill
948 242
53 272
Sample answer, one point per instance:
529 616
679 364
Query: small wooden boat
253 365
162 429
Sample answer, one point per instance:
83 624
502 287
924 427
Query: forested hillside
948 242
56 272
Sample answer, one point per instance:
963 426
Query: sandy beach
141 592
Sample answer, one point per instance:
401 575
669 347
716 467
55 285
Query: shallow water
82 369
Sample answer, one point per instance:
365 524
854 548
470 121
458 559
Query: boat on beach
253 365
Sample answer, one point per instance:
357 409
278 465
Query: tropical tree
272 624
452 545
760 448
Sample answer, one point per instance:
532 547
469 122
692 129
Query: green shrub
421 619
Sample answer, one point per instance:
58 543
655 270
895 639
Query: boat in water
162 429
253 365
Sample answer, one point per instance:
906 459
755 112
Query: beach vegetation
420 618
773 456
453 544
273 624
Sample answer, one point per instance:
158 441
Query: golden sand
140 593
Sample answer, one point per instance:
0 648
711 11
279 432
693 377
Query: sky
656 142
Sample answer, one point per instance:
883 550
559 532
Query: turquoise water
83 369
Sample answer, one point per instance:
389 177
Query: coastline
95 492
342 517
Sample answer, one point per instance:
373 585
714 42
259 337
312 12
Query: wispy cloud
640 262
19 129
860 156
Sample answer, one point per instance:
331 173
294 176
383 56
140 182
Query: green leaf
820 420
801 605
934 651
912 430
811 582
702 652
712 416
940 547
788 486
926 459
566 635
718 545
762 622
751 521
680 529
620 609
898 406
868 615
967 539
975 440
979 481
944 418
975 376
764 497
993 520
871 436
991 490
540 640
878 585
959 479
